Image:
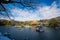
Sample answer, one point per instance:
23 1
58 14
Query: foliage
6 23
53 23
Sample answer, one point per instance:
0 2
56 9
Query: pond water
29 34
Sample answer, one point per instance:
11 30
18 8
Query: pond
14 33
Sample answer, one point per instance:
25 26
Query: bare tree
25 3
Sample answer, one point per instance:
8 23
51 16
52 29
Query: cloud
50 11
23 15
44 12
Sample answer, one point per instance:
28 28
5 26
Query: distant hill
20 23
58 18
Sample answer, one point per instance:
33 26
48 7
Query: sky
45 9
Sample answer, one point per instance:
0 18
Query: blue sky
45 9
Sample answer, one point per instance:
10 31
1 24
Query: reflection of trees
24 3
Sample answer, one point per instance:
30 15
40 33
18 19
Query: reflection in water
29 34
3 37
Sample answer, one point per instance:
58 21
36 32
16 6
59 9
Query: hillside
21 23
